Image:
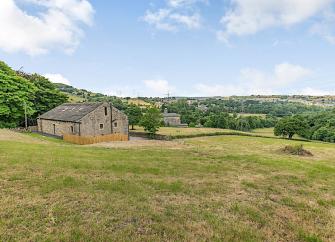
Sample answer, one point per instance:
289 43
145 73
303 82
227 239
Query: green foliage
218 115
321 126
151 120
16 93
19 90
134 114
47 96
290 126
315 126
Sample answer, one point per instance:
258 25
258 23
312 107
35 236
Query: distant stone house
83 119
171 119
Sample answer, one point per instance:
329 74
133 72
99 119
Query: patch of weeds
326 203
249 184
289 202
296 150
249 212
15 177
131 169
60 183
309 237
119 186
174 187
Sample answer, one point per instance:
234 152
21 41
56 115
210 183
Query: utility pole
168 96
25 116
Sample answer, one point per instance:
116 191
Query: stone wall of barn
172 121
58 128
120 122
102 121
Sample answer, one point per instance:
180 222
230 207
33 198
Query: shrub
296 150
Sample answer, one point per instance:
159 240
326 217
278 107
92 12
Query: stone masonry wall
57 127
95 123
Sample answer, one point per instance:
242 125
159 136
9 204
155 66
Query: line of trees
216 115
20 91
313 126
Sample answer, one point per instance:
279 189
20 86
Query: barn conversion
83 119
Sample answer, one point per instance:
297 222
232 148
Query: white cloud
254 81
325 28
184 3
57 78
57 25
283 75
160 87
309 91
175 15
251 16
191 22
218 90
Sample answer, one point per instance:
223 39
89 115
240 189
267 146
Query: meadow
222 188
185 132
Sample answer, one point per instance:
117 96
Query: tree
151 120
290 126
134 113
16 95
21 92
47 96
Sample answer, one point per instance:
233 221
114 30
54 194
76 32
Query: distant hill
78 95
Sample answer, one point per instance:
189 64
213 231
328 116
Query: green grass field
223 188
173 131
267 132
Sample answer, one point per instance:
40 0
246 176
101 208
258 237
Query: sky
182 47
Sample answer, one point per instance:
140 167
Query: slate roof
170 115
70 112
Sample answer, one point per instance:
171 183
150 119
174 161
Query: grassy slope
211 188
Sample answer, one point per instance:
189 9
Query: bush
192 125
296 150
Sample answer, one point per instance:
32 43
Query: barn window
106 111
101 126
72 129
115 124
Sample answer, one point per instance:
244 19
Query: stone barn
83 119
171 119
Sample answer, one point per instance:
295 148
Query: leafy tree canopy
151 120
20 91
290 126
134 114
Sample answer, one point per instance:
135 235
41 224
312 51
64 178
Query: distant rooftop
171 115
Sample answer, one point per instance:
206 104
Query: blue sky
185 47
